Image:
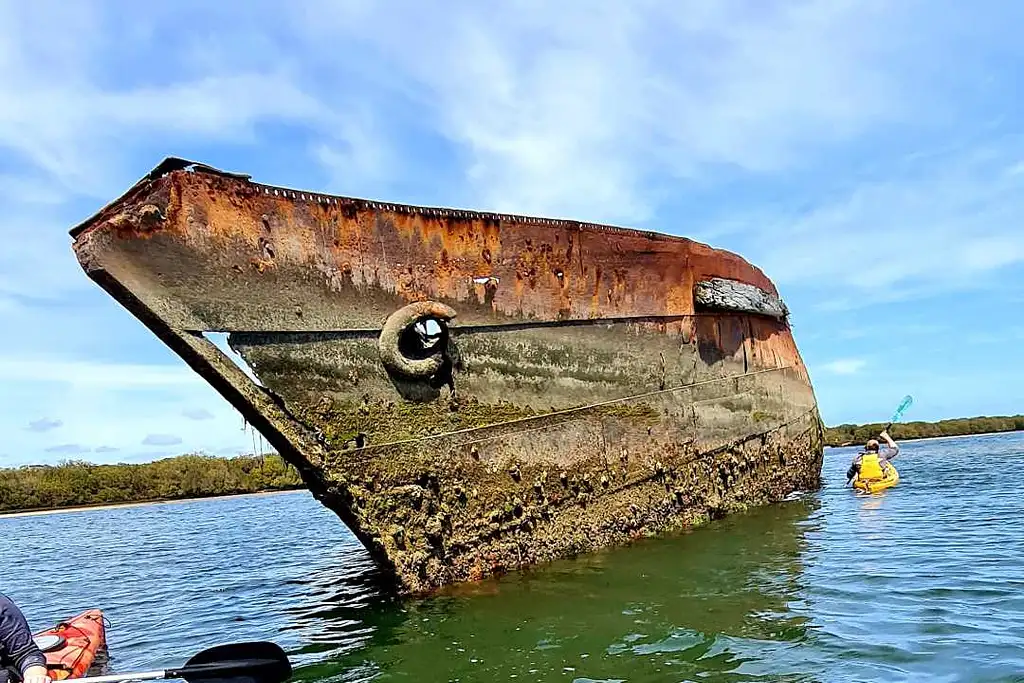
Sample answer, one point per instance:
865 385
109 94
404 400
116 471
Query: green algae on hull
451 518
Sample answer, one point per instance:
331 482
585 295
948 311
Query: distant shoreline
935 438
912 430
140 503
53 489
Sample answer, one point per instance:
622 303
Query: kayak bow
71 646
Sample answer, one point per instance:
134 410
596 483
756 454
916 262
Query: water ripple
923 582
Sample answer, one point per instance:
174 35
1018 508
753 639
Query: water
923 582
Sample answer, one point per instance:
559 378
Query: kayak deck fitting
71 647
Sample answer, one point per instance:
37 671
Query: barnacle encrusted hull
470 392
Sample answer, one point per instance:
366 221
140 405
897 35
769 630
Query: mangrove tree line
188 476
848 434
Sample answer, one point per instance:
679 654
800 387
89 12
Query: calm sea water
922 583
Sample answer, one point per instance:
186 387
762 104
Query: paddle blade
907 400
255 662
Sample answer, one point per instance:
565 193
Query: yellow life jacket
870 467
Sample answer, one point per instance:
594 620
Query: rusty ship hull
471 393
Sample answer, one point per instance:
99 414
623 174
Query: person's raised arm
893 449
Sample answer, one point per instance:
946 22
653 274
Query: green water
922 583
709 603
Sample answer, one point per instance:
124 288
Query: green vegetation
78 483
849 434
188 476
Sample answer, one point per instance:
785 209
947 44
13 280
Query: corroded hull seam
471 393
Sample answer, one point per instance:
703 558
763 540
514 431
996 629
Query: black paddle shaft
255 662
252 671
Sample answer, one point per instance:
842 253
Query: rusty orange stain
423 253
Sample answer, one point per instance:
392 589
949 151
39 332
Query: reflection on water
714 601
920 582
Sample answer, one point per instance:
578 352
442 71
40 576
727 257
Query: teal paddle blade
907 400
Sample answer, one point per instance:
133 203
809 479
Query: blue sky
868 155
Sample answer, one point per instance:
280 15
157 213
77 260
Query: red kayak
71 646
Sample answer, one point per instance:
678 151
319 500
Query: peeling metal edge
166 167
709 294
177 164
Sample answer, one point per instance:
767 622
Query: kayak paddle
255 662
907 400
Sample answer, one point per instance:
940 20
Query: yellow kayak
876 484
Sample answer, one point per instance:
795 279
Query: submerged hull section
470 393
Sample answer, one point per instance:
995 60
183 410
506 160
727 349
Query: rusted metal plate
470 392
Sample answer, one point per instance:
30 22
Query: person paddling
871 451
20 657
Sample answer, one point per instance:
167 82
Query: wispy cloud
44 425
950 223
107 407
68 449
72 125
845 366
197 414
161 440
150 456
575 108
596 110
95 373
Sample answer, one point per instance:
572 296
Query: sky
867 155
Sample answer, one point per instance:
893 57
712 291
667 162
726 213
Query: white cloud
68 449
161 440
75 103
197 414
107 409
574 108
76 133
845 366
591 110
100 373
36 261
358 162
96 375
44 424
811 137
949 222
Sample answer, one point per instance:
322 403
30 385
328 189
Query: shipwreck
470 392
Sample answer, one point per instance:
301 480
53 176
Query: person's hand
37 674
884 434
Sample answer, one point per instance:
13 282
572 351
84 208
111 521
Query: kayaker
20 658
884 456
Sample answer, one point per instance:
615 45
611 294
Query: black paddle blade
256 662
